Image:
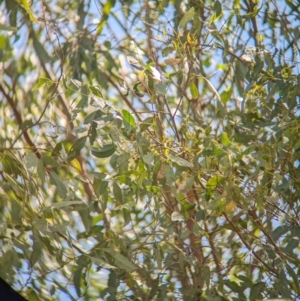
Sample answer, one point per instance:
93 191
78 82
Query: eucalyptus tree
150 149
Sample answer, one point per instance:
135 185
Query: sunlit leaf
187 17
226 95
194 90
41 82
11 165
25 4
128 118
213 182
105 14
225 139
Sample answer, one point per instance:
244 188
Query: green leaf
50 161
31 160
117 193
104 152
56 181
146 123
297 146
52 290
169 175
194 90
93 116
8 28
256 291
41 170
282 187
226 95
186 185
180 161
26 125
114 134
36 251
225 139
128 118
148 159
279 231
153 189
206 275
294 276
186 18
281 299
137 91
25 4
83 261
11 165
121 261
106 9
243 138
154 289
102 263
40 49
292 245
124 180
40 224
161 88
200 215
283 285
102 187
57 150
112 283
213 152
96 91
218 8
167 50
233 286
77 280
127 206
64 204
213 182
76 148
41 82
75 84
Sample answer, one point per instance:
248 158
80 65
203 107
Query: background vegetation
150 149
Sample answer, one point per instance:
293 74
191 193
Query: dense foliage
150 149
